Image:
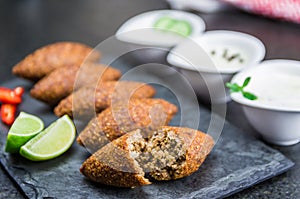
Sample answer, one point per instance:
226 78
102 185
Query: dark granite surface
27 25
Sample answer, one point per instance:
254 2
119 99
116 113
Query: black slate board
236 162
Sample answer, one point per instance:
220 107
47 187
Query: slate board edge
289 165
285 165
19 187
284 162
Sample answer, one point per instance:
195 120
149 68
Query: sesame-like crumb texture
88 100
60 83
164 154
113 166
122 118
45 59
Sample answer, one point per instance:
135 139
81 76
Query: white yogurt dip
276 83
228 51
277 88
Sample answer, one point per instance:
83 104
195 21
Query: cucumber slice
164 23
182 27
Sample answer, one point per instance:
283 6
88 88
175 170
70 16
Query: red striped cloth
282 9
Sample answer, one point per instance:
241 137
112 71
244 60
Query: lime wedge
23 129
52 142
182 27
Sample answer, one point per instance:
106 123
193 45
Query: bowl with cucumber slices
150 35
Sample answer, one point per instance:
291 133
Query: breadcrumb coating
50 57
139 158
122 118
62 81
87 101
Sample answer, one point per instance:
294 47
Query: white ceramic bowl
194 59
138 33
204 6
276 112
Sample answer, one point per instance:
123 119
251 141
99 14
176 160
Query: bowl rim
265 64
260 51
200 26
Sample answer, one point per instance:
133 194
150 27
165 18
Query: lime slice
23 129
52 142
181 27
164 23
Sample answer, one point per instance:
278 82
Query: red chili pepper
19 91
8 113
8 96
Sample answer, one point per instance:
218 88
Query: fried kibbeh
50 57
112 165
88 100
121 118
61 82
139 158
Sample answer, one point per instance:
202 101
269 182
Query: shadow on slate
236 162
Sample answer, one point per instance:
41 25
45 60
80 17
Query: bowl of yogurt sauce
210 60
275 114
152 34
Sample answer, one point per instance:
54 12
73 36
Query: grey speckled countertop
27 25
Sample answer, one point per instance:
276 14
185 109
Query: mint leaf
249 96
233 87
246 82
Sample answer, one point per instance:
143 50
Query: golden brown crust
198 146
114 165
60 83
46 59
121 118
88 100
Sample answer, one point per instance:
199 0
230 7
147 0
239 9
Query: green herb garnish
232 57
235 88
